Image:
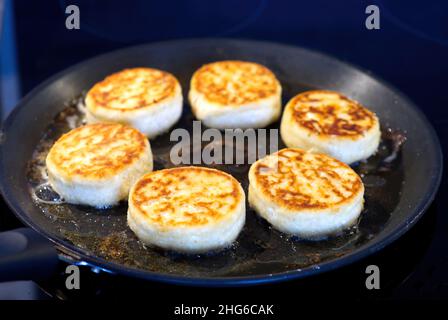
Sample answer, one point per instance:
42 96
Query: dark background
410 51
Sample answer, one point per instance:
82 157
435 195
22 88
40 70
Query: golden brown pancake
170 208
147 99
96 164
97 151
329 122
132 89
304 193
331 113
235 94
234 82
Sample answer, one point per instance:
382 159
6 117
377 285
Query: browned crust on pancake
110 147
165 198
341 117
302 171
254 82
154 86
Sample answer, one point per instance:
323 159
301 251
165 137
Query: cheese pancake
149 100
96 164
305 194
235 94
328 122
187 209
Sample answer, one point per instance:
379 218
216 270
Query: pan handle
26 255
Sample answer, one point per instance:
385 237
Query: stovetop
412 267
409 51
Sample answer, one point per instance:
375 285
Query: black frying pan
401 180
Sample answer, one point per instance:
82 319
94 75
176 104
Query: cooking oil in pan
259 249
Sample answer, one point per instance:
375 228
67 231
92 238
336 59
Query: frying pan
401 180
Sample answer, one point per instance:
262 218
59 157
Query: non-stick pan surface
400 180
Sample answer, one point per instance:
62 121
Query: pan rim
364 250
